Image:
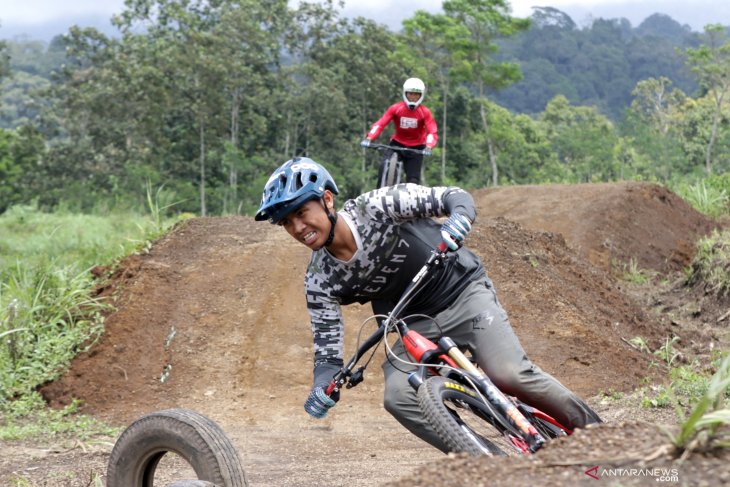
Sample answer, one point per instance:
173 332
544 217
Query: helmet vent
282 185
299 183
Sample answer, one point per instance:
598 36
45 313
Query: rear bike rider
415 128
369 252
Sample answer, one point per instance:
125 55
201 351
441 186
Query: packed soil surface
213 318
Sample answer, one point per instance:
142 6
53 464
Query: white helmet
413 85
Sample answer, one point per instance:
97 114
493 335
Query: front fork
448 352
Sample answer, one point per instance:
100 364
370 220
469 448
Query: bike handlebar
436 258
396 148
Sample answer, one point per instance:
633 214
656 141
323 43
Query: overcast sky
45 18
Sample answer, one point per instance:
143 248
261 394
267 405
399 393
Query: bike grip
330 388
441 247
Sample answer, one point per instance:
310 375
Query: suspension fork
516 419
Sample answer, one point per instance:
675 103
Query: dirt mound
637 453
216 308
607 223
213 318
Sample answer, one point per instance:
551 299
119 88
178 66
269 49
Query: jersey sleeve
404 202
326 317
378 126
432 137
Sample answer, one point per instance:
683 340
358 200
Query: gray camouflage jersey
395 236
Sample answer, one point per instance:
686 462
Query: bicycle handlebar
436 258
396 148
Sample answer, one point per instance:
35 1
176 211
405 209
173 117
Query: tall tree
487 20
711 64
657 103
583 139
363 66
247 41
438 45
653 125
183 35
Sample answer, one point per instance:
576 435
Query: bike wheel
391 168
461 419
192 436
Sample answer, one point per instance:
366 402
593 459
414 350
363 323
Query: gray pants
476 320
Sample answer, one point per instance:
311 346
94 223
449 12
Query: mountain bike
458 399
390 171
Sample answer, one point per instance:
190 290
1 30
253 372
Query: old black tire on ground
192 436
459 417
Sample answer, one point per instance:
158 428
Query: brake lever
356 377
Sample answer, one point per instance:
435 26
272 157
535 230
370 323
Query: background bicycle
391 170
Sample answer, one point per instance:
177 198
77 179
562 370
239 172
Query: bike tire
191 435
460 418
391 170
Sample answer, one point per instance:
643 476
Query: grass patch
33 239
29 418
633 274
687 385
48 317
687 382
710 196
48 313
710 268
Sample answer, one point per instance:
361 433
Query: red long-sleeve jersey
412 127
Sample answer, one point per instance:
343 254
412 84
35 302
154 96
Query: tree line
202 99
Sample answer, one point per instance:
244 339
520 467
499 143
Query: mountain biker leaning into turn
415 128
369 252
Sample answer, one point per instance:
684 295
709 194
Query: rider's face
412 96
309 223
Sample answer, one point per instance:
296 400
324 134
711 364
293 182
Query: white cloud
33 12
392 12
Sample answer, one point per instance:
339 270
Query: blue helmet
293 184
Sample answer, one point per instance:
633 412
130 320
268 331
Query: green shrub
710 268
710 196
47 318
707 424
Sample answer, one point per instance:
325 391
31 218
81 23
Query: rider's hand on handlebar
454 230
365 143
318 403
427 151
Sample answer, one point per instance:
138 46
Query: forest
199 100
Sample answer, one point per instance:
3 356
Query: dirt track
218 303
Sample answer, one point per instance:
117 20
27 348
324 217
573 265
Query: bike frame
445 358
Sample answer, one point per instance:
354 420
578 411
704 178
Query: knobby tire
192 436
459 416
